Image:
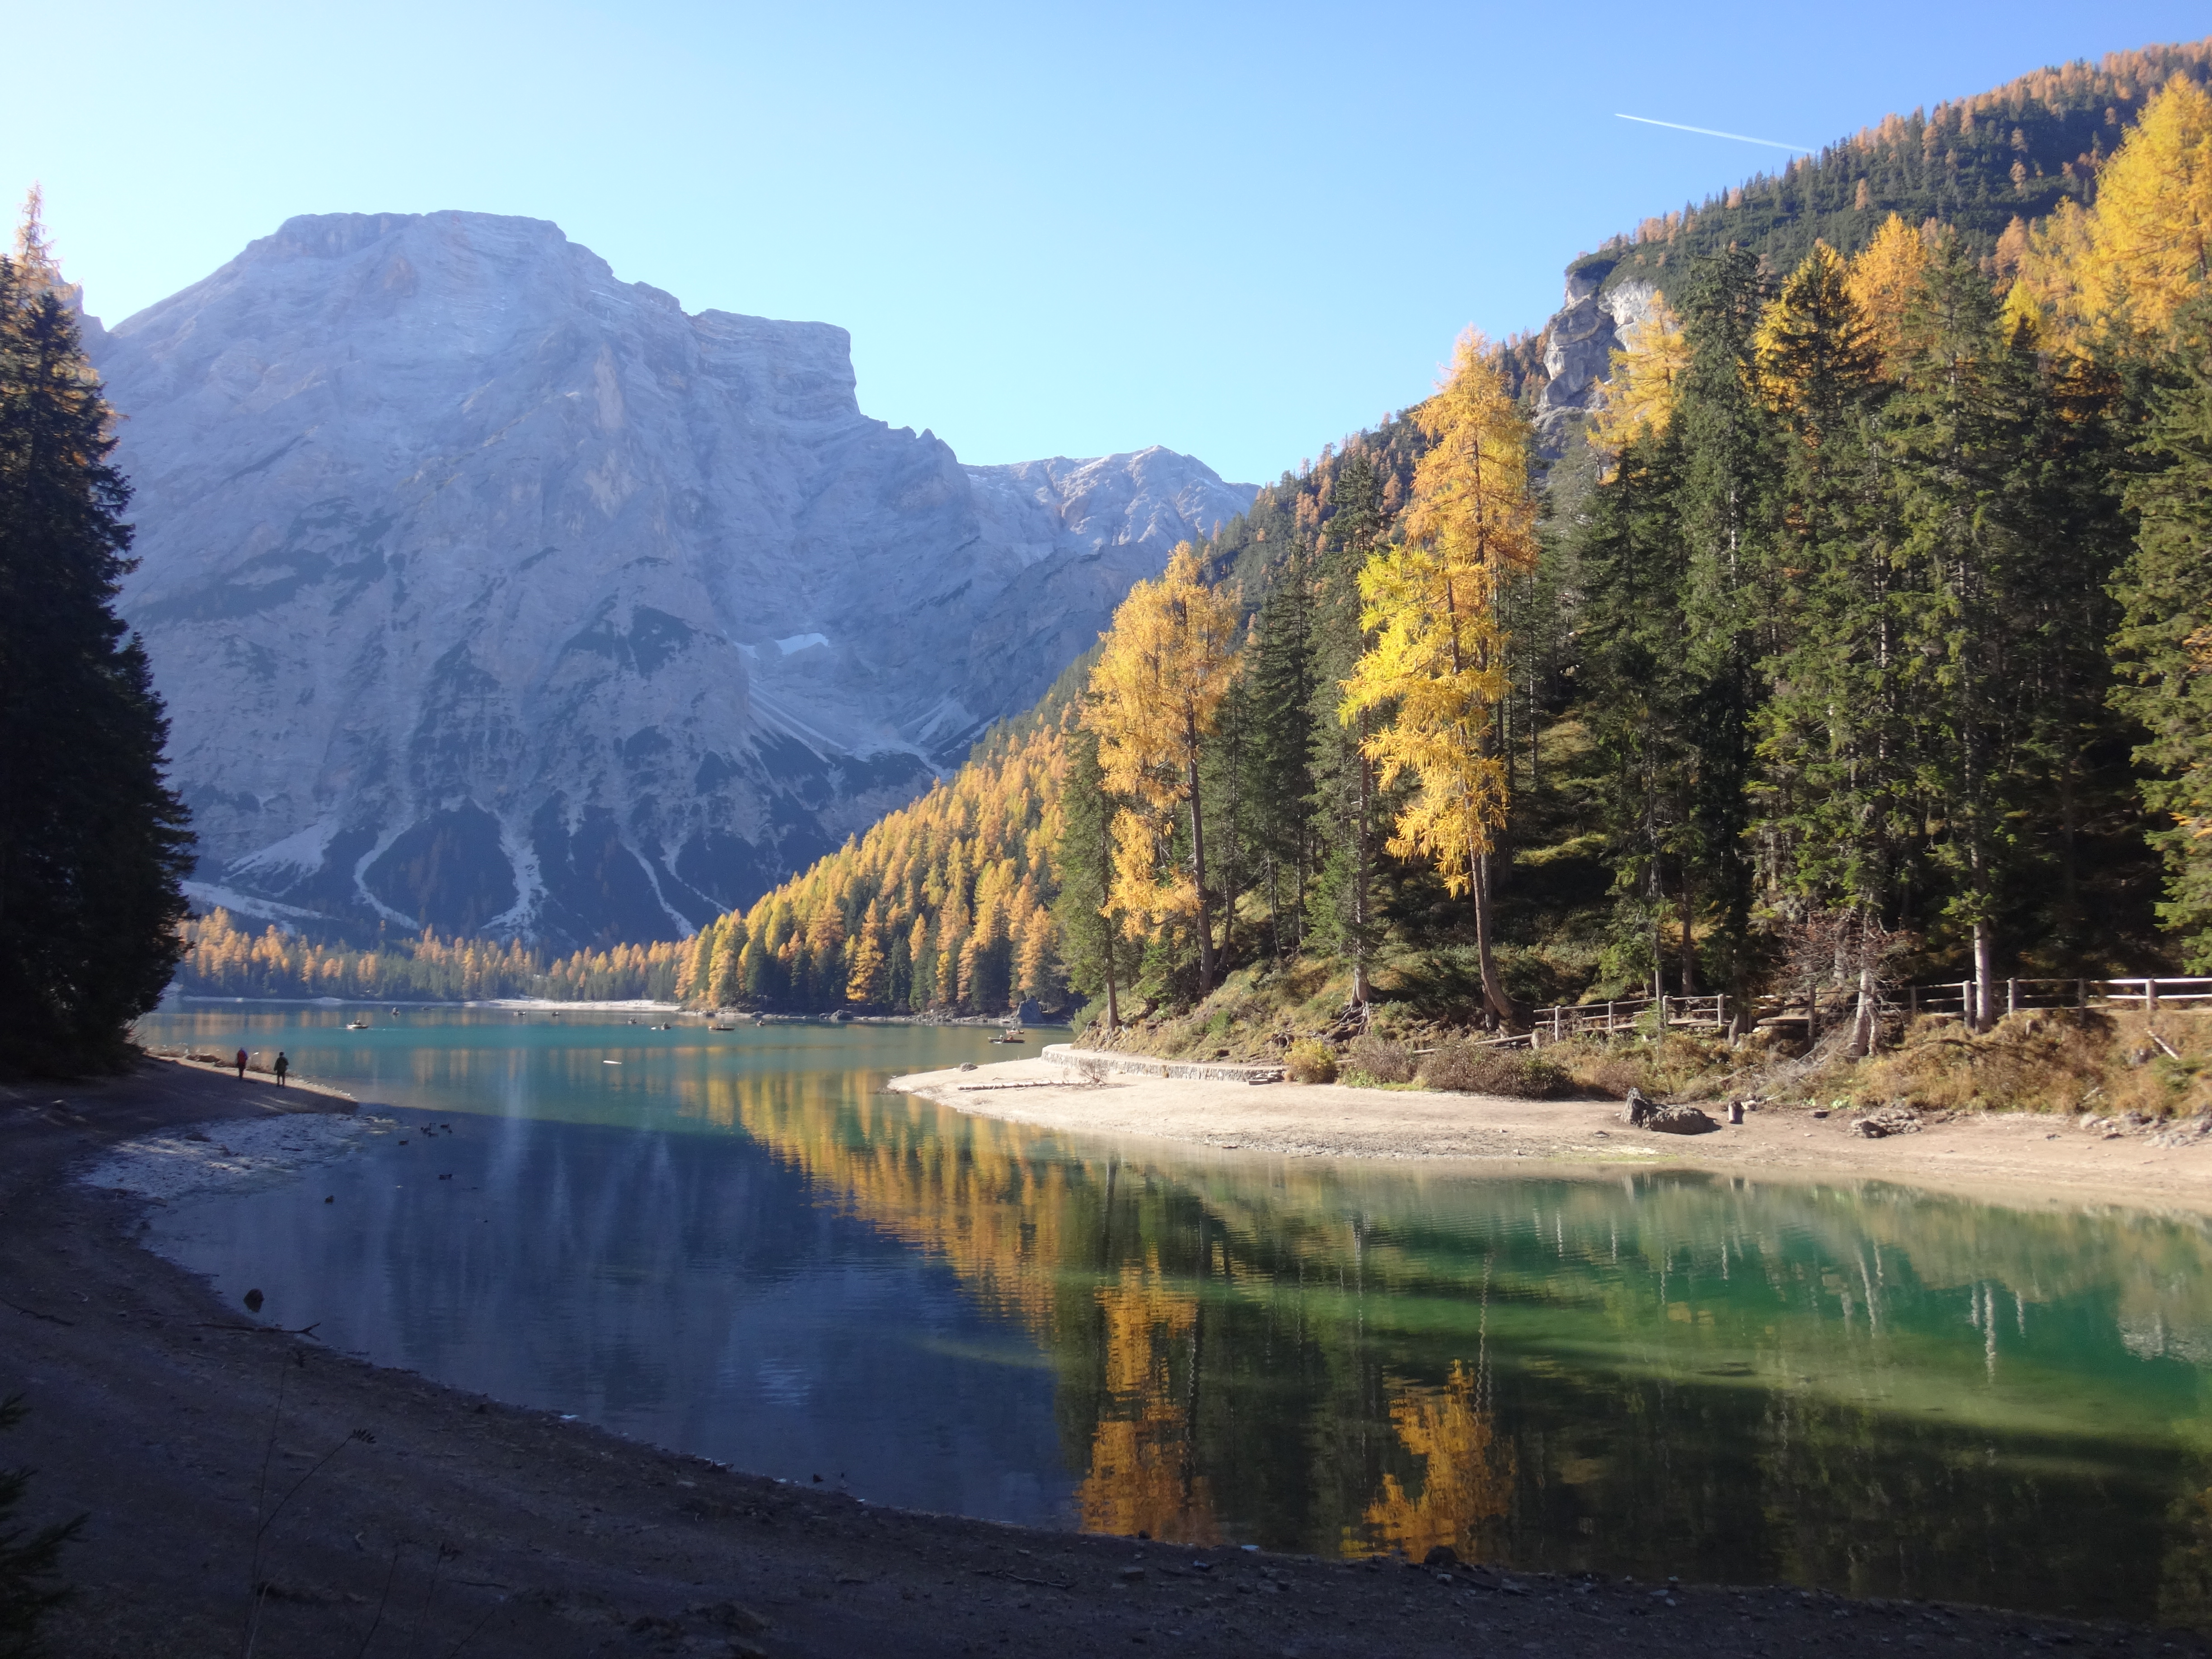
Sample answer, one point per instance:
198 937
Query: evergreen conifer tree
93 844
1277 782
1099 957
1340 911
1726 506
2164 641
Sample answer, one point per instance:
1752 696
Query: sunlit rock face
1591 323
490 593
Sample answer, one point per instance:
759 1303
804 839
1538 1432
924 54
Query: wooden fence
1949 999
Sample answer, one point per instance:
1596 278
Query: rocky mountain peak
489 593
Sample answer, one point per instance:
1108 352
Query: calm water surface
734 1244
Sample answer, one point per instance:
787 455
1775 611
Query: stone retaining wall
1066 1053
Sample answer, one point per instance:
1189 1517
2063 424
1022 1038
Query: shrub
1379 1059
1469 1068
1311 1062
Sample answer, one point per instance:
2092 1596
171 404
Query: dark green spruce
93 843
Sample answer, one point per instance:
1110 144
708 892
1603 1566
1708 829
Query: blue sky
1239 231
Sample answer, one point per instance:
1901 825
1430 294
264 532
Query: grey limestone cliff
1592 323
490 593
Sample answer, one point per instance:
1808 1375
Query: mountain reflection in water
732 1244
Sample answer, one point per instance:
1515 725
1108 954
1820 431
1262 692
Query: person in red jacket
241 1065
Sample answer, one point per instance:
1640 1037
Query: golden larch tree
1884 281
1155 696
2132 259
1437 668
1639 395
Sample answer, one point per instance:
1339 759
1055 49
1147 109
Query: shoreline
627 1006
2015 1158
445 1520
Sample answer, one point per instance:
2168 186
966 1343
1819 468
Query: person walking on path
283 1066
241 1065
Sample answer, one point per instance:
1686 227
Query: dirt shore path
467 1529
2015 1158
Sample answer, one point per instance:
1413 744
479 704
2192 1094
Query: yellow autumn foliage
1155 696
2131 261
933 887
1639 395
1437 664
1883 282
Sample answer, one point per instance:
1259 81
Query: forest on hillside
1871 627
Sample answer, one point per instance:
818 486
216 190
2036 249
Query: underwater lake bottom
735 1244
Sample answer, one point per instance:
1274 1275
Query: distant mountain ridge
490 593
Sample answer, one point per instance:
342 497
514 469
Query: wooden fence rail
1947 1000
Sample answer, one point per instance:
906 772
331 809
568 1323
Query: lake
735 1244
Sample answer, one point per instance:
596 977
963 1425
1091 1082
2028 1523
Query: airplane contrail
1742 138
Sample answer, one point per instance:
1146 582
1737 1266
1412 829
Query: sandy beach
2017 1158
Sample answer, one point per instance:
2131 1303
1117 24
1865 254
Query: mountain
492 594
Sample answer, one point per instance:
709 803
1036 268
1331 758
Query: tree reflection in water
1882 1391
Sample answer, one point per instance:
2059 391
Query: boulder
1679 1121
1887 1121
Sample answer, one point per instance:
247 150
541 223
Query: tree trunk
1198 870
1689 940
1494 988
1865 1021
1985 972
1106 918
1359 877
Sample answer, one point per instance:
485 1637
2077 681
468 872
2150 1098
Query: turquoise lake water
736 1244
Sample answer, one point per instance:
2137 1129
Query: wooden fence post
1912 1002
2081 993
2150 996
2012 997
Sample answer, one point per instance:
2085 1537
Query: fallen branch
254 1330
1001 1572
51 1319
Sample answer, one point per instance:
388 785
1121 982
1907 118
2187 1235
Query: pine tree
1962 562
1094 950
1837 740
1631 635
1340 911
1728 507
1278 779
93 844
2163 642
